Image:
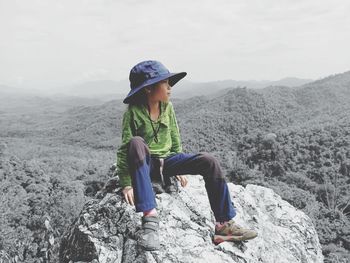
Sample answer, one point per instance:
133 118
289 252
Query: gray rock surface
107 229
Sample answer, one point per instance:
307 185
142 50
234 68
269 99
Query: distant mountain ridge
324 93
187 89
184 89
110 89
342 79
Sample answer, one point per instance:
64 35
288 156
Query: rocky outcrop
107 229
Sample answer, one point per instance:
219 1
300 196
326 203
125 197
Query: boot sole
149 248
219 238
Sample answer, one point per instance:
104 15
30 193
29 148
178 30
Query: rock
107 229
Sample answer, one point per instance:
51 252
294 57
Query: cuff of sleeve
125 181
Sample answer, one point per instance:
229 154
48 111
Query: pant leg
215 183
140 167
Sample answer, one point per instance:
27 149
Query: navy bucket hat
147 73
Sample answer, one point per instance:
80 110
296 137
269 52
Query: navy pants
143 168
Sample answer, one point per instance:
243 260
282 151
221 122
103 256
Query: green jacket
136 122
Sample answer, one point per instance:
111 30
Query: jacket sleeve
176 145
128 131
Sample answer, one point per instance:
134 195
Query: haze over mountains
109 89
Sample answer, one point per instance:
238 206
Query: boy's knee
208 158
211 165
137 143
137 150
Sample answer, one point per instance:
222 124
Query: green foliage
309 171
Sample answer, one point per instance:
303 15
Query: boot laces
233 223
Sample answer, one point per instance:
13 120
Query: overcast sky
50 43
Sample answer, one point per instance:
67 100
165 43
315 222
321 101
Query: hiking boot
231 231
149 239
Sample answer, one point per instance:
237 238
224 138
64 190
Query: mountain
229 113
233 111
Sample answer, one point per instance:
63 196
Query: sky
53 43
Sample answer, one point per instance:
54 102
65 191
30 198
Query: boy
151 147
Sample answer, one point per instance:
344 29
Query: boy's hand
183 180
128 193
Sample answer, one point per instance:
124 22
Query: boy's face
161 91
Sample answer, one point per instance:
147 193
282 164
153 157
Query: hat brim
173 79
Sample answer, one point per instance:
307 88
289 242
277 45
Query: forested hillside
54 157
